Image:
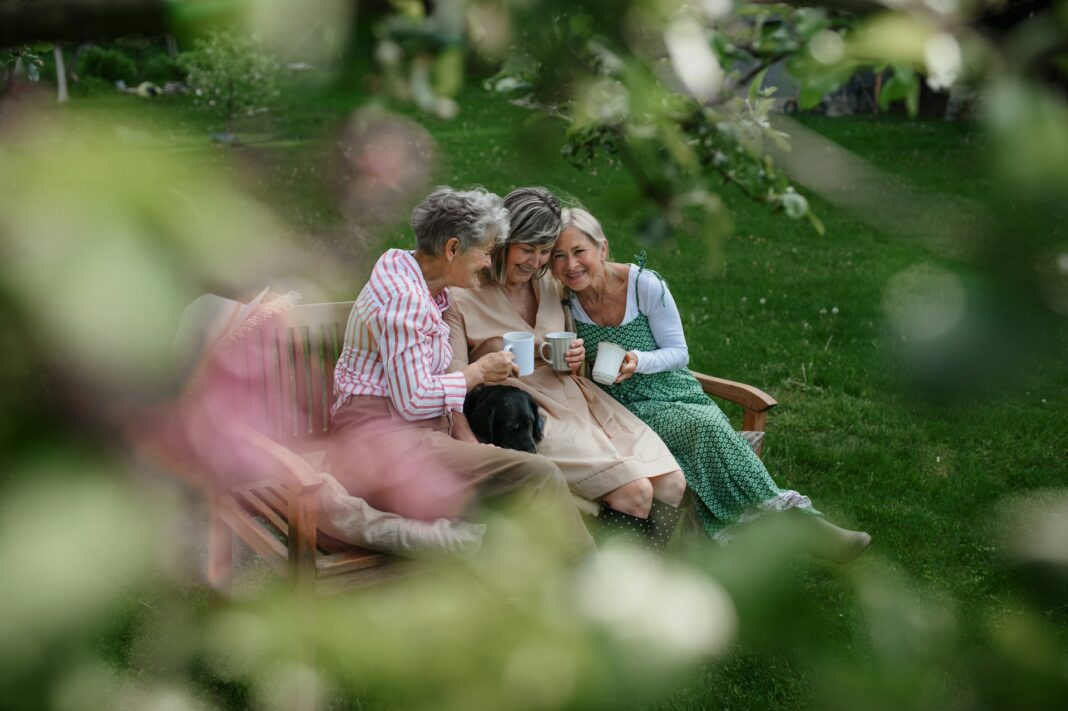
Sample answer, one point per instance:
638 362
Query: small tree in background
229 73
21 59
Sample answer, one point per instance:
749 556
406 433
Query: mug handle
541 352
508 349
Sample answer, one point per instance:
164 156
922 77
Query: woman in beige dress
604 451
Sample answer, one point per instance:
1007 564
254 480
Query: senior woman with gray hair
605 452
392 424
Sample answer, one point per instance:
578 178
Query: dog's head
505 416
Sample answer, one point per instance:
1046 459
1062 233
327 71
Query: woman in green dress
631 306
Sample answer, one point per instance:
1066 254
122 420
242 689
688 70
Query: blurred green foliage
20 59
107 63
916 347
161 69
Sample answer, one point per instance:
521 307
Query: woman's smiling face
576 259
522 261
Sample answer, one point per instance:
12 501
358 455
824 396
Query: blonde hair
581 219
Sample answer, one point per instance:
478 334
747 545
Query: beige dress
597 443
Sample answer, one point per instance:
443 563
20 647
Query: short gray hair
581 219
472 216
534 216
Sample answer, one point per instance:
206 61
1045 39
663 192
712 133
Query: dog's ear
536 428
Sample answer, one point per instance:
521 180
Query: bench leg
753 421
303 525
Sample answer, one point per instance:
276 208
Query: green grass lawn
801 316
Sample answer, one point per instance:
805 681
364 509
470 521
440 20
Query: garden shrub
161 69
109 64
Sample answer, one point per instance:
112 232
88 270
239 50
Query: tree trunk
172 45
61 74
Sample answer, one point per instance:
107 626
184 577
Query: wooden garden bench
277 514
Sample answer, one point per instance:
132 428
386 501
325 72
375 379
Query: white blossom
716 9
941 54
692 58
827 47
943 7
388 53
794 204
671 612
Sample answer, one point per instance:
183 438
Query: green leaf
912 99
448 71
903 85
810 96
754 86
581 25
817 223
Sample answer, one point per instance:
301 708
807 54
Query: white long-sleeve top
655 301
397 343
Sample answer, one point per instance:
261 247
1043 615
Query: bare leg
633 498
669 488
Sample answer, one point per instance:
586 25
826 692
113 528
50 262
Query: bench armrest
754 401
293 470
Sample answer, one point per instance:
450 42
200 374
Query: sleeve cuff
455 385
643 361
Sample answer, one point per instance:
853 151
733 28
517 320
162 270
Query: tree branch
748 76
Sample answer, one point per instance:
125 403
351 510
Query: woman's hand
628 366
491 368
575 355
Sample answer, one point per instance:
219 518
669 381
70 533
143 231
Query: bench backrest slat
291 374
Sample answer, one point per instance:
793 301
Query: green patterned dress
729 482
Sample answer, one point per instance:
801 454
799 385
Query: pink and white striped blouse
397 344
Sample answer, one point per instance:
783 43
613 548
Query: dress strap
640 259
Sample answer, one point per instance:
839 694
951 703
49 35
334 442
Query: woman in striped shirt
394 443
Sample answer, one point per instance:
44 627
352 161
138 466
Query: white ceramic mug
558 343
609 359
521 344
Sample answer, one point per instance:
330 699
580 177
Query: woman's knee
670 488
634 498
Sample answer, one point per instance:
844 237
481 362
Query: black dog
504 416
